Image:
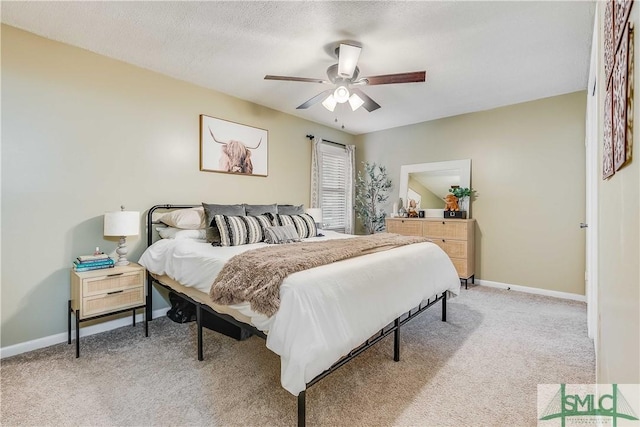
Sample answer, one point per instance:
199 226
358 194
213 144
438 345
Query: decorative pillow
281 234
290 209
213 235
177 233
241 230
260 209
187 219
212 210
304 224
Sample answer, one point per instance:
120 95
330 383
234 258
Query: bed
327 315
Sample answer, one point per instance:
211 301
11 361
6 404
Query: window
333 181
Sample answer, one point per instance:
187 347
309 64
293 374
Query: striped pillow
241 230
304 223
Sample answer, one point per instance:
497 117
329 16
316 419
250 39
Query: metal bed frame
393 327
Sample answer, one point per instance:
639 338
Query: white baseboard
529 290
12 350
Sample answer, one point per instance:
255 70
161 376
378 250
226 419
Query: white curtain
315 172
349 227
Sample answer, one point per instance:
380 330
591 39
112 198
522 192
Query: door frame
592 180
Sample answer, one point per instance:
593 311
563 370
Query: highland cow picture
230 147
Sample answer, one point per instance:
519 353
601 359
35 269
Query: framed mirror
429 183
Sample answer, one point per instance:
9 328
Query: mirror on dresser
429 183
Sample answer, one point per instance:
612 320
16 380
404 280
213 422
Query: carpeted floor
481 368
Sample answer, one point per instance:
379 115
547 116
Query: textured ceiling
478 55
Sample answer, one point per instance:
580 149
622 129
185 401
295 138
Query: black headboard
150 221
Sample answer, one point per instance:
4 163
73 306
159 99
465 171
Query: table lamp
122 223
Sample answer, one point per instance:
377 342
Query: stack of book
92 262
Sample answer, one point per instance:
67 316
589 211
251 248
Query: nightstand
104 292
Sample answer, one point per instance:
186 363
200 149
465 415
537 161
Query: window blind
333 200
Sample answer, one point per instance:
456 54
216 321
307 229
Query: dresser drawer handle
115 292
442 240
114 274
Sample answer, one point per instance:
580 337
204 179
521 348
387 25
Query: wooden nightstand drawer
108 302
111 283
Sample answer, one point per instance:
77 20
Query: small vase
463 203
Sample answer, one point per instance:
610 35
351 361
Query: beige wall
83 134
618 351
528 167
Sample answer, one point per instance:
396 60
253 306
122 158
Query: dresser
454 236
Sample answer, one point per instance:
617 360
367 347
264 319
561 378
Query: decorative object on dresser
372 190
451 203
99 293
121 224
230 147
463 194
454 236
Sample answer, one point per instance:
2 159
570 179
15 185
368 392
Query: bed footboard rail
393 327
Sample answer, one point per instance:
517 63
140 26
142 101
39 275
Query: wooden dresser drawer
445 229
108 302
454 236
453 248
404 227
461 267
111 282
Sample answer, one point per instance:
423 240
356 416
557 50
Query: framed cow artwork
230 147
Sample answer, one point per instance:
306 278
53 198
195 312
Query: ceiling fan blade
347 60
296 79
319 97
369 104
414 77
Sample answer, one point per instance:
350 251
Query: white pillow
186 219
177 233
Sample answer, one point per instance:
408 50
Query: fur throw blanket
256 275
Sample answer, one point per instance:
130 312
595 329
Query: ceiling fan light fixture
347 60
355 101
329 103
341 94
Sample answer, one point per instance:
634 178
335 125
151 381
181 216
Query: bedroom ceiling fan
346 81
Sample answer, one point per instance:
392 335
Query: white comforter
326 311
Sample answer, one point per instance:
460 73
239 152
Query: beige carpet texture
480 368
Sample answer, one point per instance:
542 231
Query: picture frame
621 11
607 146
620 81
608 40
233 148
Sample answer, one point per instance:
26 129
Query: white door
592 176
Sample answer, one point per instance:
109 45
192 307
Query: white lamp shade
122 223
356 102
329 103
316 214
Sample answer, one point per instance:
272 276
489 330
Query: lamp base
122 252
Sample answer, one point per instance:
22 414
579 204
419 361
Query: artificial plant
372 190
